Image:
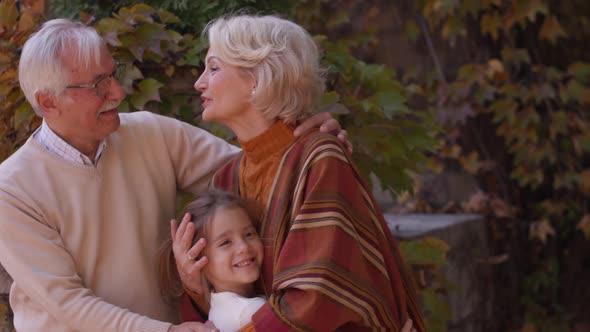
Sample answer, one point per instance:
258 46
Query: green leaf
438 311
516 56
142 9
580 70
544 92
329 98
412 30
167 17
23 114
572 91
425 251
470 72
150 36
452 28
148 91
558 124
124 107
392 102
130 75
581 144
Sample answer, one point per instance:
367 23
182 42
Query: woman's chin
209 116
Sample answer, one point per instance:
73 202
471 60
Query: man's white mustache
109 105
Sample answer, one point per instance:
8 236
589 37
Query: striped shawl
330 261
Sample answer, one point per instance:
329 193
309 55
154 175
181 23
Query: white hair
41 69
282 57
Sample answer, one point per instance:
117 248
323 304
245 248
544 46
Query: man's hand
193 327
189 269
327 124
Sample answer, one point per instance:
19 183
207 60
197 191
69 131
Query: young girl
234 253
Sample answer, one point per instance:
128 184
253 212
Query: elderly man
84 202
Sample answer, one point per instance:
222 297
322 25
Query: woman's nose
200 84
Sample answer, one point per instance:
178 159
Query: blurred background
471 119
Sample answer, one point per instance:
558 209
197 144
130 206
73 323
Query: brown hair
201 211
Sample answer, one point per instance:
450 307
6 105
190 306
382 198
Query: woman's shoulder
225 178
313 142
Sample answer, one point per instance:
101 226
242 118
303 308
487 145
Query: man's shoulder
17 158
135 118
20 163
145 120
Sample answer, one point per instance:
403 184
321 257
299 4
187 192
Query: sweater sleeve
34 255
195 153
330 263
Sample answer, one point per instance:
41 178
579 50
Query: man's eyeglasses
103 85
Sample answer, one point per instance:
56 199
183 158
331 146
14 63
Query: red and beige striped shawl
330 260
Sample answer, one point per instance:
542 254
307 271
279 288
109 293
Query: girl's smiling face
234 251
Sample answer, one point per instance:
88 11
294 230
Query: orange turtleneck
261 159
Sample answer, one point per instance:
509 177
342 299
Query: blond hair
281 56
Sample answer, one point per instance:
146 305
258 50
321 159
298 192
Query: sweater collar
275 139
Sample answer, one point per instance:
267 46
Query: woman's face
234 251
226 91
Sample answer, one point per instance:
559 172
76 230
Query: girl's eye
214 69
224 243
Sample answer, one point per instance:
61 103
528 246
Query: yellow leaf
3 312
554 208
541 230
8 14
26 22
528 327
491 24
494 66
169 70
500 208
470 162
584 226
551 30
476 203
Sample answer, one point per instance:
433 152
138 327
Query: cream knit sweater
81 241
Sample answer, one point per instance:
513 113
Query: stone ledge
411 226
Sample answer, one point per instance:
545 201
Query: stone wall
471 295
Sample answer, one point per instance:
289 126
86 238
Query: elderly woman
330 262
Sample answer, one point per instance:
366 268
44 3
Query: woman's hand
189 269
327 124
408 326
193 327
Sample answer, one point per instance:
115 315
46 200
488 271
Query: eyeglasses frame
118 66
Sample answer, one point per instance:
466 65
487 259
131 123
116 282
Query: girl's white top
230 311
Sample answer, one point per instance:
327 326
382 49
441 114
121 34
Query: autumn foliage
512 106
